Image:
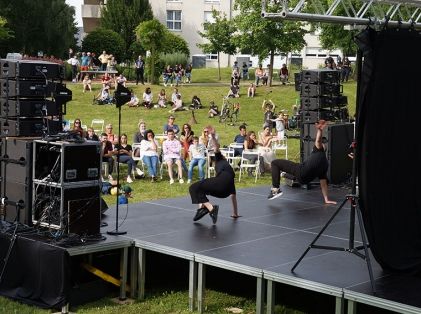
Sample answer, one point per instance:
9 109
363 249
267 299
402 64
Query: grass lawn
81 107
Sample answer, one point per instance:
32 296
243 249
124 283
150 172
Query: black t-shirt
128 148
314 167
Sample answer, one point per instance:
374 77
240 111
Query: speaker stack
32 103
321 98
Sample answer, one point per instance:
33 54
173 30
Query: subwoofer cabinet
34 69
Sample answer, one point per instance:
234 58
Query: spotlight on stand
122 96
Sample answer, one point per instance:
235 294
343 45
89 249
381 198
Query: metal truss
397 13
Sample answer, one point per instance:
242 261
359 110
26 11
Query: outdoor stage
263 244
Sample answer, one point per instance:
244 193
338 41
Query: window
174 19
207 18
212 56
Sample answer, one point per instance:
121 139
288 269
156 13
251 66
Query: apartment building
186 18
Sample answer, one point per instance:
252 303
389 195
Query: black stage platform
265 243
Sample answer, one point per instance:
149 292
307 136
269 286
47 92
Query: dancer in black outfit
221 186
314 167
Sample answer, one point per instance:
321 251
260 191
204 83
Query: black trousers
139 76
281 165
220 186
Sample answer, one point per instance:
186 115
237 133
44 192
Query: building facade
186 18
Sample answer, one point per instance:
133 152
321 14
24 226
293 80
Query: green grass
81 107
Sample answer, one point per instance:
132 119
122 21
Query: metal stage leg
270 297
339 305
352 307
260 292
192 285
141 257
123 272
133 271
201 287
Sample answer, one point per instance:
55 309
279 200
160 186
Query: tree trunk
152 67
219 68
272 56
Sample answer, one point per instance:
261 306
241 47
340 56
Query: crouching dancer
221 186
315 166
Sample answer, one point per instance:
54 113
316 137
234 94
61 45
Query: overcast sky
77 4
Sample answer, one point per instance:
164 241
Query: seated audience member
77 127
123 151
186 139
187 73
195 103
106 80
213 110
149 153
258 73
107 153
87 83
171 126
235 77
283 74
239 139
265 76
91 136
121 79
234 91
266 138
178 105
134 101
147 98
139 136
251 91
110 135
250 143
245 71
162 99
168 75
197 153
174 96
171 149
105 96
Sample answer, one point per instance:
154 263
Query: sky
77 4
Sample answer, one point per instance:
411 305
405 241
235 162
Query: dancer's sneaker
214 214
202 211
274 193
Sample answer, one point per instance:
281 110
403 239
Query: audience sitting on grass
174 96
213 110
168 75
104 97
178 105
90 135
186 139
195 103
171 126
134 101
121 80
87 83
171 149
258 73
149 153
234 91
251 91
106 80
123 151
147 98
162 99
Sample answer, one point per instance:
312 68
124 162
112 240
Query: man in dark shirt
239 139
314 167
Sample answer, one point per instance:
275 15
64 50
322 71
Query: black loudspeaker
31 69
28 107
320 76
315 90
25 88
337 139
316 103
29 126
16 171
297 81
74 209
311 117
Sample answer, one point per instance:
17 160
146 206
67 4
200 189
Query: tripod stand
353 199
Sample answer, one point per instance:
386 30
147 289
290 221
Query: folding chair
98 125
280 144
136 146
248 164
210 167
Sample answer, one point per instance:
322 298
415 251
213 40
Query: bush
104 39
173 59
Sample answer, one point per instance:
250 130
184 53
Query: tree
151 35
219 35
263 37
175 44
104 39
123 16
42 25
334 36
4 31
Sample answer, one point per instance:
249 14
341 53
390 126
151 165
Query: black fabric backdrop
389 146
37 273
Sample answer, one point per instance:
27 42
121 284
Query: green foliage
122 17
175 44
42 25
334 36
151 35
104 39
5 33
174 58
219 35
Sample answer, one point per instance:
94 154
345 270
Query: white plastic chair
280 144
234 160
247 164
84 127
136 146
98 125
209 165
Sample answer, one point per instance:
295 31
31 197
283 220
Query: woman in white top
147 98
265 150
149 153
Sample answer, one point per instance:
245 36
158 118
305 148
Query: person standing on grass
220 186
315 166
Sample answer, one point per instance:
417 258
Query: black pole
116 231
